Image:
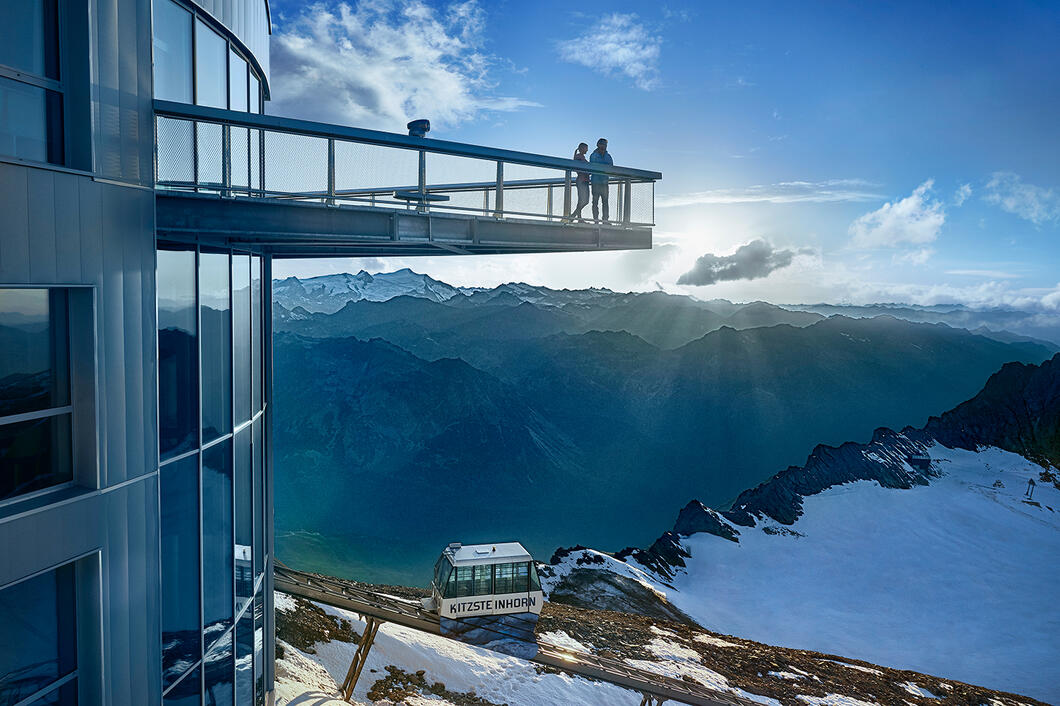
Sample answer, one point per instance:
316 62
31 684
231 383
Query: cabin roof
499 553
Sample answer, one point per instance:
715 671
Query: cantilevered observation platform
294 188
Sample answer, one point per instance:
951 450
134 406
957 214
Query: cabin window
521 579
535 582
483 580
504 577
464 584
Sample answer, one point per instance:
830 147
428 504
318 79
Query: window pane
237 78
241 335
244 491
186 693
259 498
535 582
34 47
464 586
34 455
34 345
483 580
178 353
39 642
172 45
220 674
245 659
256 320
30 122
216 345
255 94
504 576
181 644
259 649
521 579
65 695
211 62
217 554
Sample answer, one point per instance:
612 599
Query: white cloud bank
1033 203
916 220
828 191
620 45
381 63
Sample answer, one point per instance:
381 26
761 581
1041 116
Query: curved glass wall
212 475
195 63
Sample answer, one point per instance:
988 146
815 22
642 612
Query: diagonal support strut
360 658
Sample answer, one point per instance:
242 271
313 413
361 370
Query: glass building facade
211 318
135 502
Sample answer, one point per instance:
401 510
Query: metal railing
242 154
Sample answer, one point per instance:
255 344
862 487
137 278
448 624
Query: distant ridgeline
1018 410
558 417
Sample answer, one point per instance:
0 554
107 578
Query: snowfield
958 578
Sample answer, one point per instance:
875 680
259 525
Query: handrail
172 109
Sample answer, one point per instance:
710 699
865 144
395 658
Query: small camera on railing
419 128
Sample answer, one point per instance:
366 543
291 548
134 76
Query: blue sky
811 151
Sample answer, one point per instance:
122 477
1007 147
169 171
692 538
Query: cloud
831 190
1033 203
754 260
382 63
915 257
620 45
916 219
991 274
962 194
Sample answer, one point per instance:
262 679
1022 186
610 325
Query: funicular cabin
488 595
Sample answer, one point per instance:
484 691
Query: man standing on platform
599 181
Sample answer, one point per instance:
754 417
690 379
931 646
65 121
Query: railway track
381 607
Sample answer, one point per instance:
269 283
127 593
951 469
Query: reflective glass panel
178 353
503 577
187 692
39 627
256 320
259 649
211 67
520 582
245 658
217 554
34 350
65 695
241 335
259 498
220 676
31 122
244 491
172 45
464 585
216 321
237 82
34 47
255 94
181 642
483 580
34 455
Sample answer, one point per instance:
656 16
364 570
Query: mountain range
530 413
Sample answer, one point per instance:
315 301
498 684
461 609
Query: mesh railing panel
295 164
240 147
359 166
209 154
175 151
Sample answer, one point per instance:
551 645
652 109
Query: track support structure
360 658
651 700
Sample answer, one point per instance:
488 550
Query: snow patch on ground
462 668
858 667
715 641
916 690
785 675
562 639
835 700
592 559
285 603
945 579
